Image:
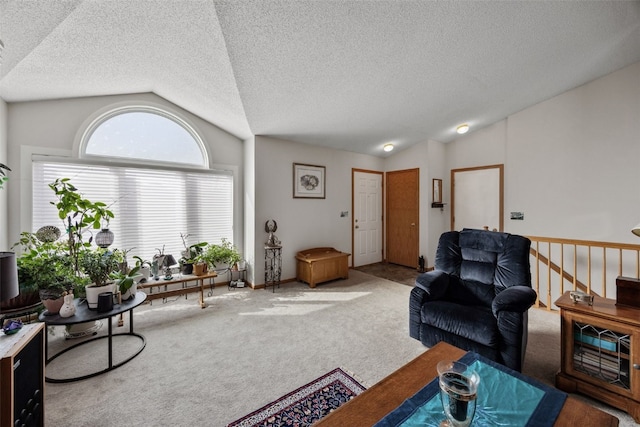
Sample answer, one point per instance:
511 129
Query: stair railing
559 265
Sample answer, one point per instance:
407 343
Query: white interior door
367 218
477 198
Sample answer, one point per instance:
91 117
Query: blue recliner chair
477 296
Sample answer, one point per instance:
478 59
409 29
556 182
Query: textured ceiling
345 74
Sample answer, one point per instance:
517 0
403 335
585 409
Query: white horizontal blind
151 206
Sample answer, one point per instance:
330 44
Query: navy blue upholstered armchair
477 296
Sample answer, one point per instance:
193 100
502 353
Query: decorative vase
68 309
93 291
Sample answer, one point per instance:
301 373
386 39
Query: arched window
143 133
151 168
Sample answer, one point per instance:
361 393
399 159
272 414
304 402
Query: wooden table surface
385 396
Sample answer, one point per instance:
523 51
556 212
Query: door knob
413 224
357 226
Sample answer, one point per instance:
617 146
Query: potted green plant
190 254
126 281
144 267
98 265
215 255
47 267
78 215
234 258
3 176
199 265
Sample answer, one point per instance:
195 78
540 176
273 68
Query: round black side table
83 314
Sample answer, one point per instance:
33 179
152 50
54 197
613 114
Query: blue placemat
505 398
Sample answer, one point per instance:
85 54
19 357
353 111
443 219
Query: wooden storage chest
319 265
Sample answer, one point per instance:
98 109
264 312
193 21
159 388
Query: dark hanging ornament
104 238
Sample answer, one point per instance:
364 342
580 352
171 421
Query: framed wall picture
437 191
308 181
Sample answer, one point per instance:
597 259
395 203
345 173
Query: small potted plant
144 268
190 254
215 255
126 282
3 176
234 259
98 264
200 266
47 268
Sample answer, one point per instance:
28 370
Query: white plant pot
80 330
131 291
145 272
93 292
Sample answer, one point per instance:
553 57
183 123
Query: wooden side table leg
201 293
121 318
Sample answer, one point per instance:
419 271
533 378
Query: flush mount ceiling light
463 128
387 147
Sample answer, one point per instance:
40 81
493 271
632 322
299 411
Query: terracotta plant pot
199 269
50 302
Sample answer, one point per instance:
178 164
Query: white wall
46 127
302 223
571 162
438 219
4 224
483 147
249 208
570 165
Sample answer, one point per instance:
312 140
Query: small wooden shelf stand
171 290
600 352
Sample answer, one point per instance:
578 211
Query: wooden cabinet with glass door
600 352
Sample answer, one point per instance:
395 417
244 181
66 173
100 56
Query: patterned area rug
307 404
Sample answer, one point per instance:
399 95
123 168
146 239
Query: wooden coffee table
373 404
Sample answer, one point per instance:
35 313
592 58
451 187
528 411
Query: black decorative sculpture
270 227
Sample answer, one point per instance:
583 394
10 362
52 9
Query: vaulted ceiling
345 74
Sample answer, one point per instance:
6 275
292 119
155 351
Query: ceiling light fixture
387 147
463 128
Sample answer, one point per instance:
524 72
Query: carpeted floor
248 347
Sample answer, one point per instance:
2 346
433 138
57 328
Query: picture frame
436 191
308 181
